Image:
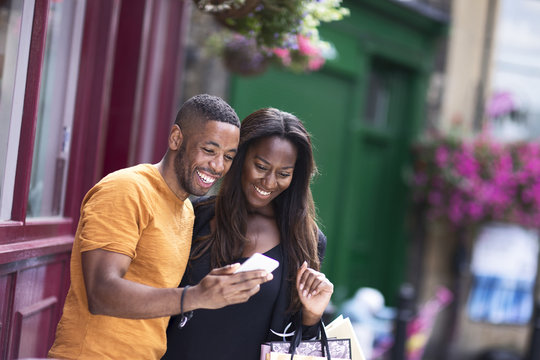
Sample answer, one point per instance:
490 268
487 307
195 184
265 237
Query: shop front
86 87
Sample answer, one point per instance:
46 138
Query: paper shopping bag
342 328
339 348
329 349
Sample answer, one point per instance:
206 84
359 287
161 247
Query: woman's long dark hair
294 208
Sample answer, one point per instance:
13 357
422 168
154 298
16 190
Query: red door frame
28 245
124 84
34 253
171 65
136 62
92 102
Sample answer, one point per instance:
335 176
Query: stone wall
203 73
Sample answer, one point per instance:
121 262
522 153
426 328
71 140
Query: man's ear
175 137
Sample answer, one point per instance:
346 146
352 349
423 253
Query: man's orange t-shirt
131 212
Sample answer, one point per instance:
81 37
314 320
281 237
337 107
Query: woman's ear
175 137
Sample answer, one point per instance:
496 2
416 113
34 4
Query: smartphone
258 261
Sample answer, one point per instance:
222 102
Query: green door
373 224
362 110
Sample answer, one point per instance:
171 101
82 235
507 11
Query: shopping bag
342 328
339 348
278 356
324 348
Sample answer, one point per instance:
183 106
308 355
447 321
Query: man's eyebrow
213 143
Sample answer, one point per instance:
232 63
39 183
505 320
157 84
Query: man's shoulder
131 174
138 176
132 181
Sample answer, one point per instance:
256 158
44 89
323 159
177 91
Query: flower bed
472 181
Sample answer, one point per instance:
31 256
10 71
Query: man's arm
110 294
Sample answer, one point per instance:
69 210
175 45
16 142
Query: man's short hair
206 107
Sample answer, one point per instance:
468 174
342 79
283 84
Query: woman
264 205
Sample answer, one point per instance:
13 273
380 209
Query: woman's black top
234 332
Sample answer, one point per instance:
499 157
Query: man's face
205 155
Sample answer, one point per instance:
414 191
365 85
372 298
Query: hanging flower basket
280 31
225 9
274 22
242 57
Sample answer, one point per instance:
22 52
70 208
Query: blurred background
425 122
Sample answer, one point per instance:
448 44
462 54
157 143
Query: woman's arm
314 291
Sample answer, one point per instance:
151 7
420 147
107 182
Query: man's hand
221 287
315 291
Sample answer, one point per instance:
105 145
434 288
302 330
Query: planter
242 57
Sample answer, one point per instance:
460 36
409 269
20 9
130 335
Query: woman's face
267 171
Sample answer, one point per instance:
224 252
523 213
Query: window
378 100
15 16
387 97
55 111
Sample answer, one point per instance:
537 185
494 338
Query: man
133 241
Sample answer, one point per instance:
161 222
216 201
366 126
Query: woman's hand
314 290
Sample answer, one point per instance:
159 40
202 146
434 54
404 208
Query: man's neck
166 169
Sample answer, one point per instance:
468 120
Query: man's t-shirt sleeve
112 218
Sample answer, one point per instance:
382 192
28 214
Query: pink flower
315 63
283 54
441 156
305 47
500 103
466 164
456 209
475 210
531 164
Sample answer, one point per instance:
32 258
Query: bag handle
297 338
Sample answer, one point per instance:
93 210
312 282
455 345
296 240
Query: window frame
48 235
8 184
